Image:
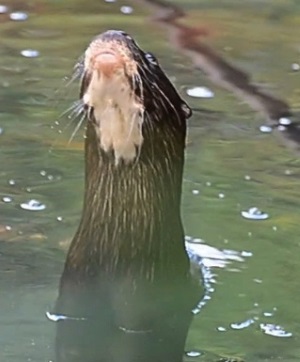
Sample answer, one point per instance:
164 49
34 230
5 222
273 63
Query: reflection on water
231 166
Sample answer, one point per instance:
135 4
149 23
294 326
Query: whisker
75 109
79 124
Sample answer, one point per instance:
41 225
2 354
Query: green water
232 164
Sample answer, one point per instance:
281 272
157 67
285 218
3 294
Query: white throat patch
118 114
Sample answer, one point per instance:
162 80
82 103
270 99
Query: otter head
120 84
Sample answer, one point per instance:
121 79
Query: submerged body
126 281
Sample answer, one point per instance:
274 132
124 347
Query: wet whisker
79 124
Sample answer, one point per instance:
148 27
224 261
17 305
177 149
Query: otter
126 292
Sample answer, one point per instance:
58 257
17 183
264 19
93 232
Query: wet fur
127 271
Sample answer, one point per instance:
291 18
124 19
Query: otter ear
186 109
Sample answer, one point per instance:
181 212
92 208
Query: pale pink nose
107 63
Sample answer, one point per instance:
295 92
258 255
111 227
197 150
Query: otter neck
131 213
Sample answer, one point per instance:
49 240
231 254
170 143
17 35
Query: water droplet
8 228
265 129
33 205
268 314
200 92
7 199
274 228
59 218
254 214
126 10
295 67
274 330
18 16
12 182
221 195
50 177
43 173
30 53
193 354
247 178
242 325
221 329
109 1
195 192
285 121
3 9
28 189
208 183
258 281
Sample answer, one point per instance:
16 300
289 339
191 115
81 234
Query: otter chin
126 292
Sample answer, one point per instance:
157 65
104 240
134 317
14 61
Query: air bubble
33 205
18 16
242 325
281 128
200 92
193 354
254 214
7 199
30 53
285 121
3 9
274 330
265 129
126 10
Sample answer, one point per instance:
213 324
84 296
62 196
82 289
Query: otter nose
107 63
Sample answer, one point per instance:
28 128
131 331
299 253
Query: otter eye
125 34
151 58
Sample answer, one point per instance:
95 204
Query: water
231 166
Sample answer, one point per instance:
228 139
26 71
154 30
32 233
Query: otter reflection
126 292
